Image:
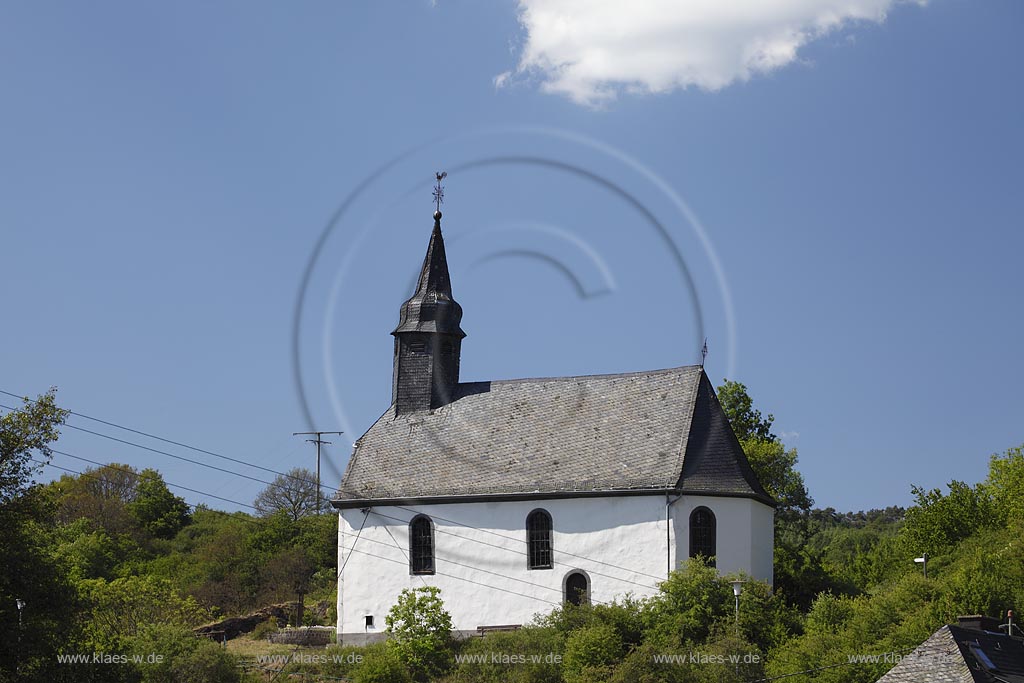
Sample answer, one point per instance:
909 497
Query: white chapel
515 496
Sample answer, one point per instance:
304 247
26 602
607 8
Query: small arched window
538 540
702 534
577 588
421 545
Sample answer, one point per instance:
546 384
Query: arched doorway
577 588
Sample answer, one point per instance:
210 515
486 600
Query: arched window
538 540
421 545
577 588
702 534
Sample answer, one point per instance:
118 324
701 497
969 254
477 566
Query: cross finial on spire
439 190
704 352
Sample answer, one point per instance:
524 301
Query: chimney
978 622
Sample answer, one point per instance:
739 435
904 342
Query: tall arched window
577 588
702 534
421 545
538 540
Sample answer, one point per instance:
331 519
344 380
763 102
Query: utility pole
319 441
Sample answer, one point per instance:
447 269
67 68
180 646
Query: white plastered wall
621 543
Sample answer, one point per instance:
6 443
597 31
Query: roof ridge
566 378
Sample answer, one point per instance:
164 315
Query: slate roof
636 432
961 655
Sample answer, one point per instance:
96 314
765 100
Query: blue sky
830 192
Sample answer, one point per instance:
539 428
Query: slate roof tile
661 429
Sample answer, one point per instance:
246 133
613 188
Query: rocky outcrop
232 627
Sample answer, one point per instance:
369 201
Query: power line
520 540
356 540
93 476
155 450
268 483
439 558
511 550
152 436
460 578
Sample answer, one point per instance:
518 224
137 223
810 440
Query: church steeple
428 338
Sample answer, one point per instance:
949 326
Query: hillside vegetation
111 562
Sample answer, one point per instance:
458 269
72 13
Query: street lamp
923 561
21 605
737 588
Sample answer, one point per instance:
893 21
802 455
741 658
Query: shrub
265 628
382 664
421 632
591 653
529 655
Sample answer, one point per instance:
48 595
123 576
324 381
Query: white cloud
590 50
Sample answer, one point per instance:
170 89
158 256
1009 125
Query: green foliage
293 493
799 567
1006 484
183 658
30 572
746 420
159 511
24 432
591 653
121 608
938 522
532 654
264 629
692 599
382 664
775 467
420 632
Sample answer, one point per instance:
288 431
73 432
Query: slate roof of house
961 655
656 430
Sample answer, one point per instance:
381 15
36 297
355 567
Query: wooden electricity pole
319 441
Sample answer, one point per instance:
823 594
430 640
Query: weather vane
439 190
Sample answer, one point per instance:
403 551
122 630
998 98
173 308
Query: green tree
421 632
101 495
122 608
747 422
938 521
294 492
33 636
1006 484
160 512
799 568
26 432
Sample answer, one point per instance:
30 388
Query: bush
591 653
265 628
183 657
382 664
421 632
529 655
